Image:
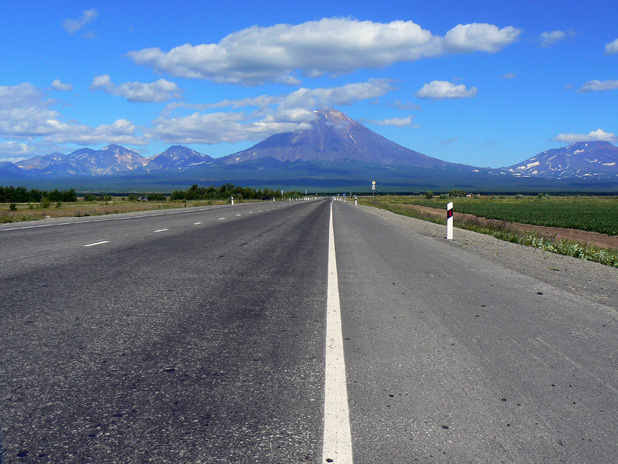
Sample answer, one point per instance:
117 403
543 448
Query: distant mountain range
334 152
579 160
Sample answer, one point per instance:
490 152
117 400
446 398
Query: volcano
335 138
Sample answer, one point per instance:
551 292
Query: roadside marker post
232 200
355 200
449 221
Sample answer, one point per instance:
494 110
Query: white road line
196 223
221 219
337 435
238 215
97 243
160 230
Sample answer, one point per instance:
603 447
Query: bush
429 194
13 207
45 202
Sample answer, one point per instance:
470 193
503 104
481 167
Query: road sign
373 185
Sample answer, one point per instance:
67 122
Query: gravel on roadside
587 279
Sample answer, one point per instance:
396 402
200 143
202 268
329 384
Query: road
200 336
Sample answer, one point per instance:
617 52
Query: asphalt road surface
203 336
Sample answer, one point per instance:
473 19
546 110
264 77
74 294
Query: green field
592 213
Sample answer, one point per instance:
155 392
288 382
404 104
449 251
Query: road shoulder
587 279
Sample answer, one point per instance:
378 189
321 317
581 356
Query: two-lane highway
204 336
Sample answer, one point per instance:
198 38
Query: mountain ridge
332 148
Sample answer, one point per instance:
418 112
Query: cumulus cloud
611 47
266 115
549 39
598 86
58 85
466 38
73 25
509 76
158 91
598 135
27 117
332 45
303 98
441 90
397 122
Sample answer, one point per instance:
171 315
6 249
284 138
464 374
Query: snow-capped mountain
579 160
109 160
179 158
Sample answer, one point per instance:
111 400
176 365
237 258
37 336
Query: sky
484 83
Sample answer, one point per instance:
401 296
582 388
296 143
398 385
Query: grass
36 211
590 213
528 208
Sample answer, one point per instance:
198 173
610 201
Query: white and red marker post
449 221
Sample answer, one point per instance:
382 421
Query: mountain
109 160
178 157
10 169
334 138
332 151
581 160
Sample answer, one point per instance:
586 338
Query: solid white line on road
160 230
97 243
337 435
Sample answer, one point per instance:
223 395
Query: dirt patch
582 236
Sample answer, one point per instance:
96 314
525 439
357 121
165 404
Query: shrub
45 202
13 207
429 194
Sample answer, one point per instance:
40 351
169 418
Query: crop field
591 213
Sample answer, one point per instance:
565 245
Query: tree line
24 195
226 191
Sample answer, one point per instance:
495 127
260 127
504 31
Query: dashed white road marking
337 435
221 219
97 243
160 230
196 223
238 215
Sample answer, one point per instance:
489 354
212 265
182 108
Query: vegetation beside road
21 204
595 214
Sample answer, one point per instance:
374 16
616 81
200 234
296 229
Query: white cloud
449 141
466 38
73 25
304 98
58 85
218 127
397 122
331 45
158 91
611 47
16 151
120 131
549 39
597 86
406 106
272 114
509 76
598 135
440 90
27 118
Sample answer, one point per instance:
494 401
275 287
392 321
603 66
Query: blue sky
485 83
